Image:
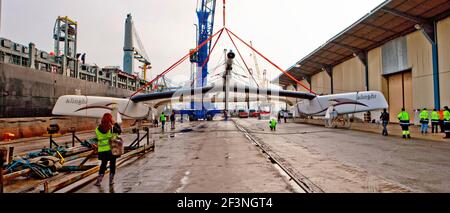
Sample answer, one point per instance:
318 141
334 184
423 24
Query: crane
134 49
205 14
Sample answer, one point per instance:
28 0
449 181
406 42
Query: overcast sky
284 30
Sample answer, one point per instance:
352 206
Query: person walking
434 121
285 116
279 117
225 115
404 119
424 121
104 132
163 119
273 124
446 122
385 121
172 120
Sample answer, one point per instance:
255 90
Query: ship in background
31 79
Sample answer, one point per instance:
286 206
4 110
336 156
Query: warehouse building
401 48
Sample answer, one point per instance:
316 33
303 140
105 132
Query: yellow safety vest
403 116
424 115
435 116
103 140
273 123
162 118
446 115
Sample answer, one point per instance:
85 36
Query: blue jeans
385 131
424 127
163 123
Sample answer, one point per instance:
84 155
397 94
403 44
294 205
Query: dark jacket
384 116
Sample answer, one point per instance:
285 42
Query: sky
283 30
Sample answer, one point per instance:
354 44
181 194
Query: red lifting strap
177 63
286 73
212 49
242 58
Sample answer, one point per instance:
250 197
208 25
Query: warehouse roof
390 20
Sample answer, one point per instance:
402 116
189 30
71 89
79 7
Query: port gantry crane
133 49
205 14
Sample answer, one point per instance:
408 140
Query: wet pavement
200 157
216 157
339 160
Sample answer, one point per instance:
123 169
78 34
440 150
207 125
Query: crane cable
242 58
173 66
276 66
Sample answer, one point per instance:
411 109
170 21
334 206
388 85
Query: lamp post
196 35
0 15
193 71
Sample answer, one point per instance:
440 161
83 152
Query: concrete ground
393 129
339 160
201 157
217 157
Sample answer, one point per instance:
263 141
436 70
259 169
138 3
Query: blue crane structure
205 14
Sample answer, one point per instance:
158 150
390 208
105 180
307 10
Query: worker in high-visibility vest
424 121
163 120
434 121
447 122
403 117
441 120
273 124
104 133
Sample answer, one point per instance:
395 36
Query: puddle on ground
184 181
186 130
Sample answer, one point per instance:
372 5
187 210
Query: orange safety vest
441 115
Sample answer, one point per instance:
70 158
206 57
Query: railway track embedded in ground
300 180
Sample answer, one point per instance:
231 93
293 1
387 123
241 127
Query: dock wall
26 92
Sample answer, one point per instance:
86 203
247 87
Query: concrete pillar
364 60
431 34
329 70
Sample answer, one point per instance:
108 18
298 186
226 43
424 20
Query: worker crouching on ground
104 132
424 121
403 117
385 121
447 122
273 124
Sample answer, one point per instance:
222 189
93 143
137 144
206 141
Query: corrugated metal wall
409 52
301 89
420 59
349 76
444 60
395 56
400 95
377 82
321 83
